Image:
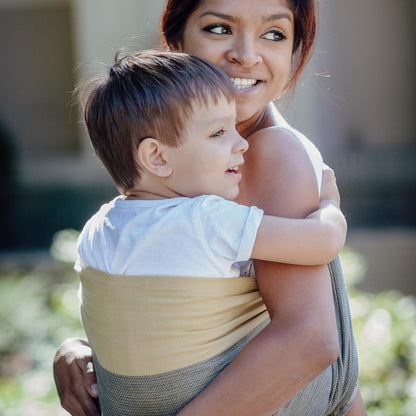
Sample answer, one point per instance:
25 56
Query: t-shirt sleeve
229 229
82 248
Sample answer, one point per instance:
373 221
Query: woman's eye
275 35
218 133
218 29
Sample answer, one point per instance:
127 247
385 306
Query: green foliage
385 330
39 309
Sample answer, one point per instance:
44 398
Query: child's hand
329 212
329 190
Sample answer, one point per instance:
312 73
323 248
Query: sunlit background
356 101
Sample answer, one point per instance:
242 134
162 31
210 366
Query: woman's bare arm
301 339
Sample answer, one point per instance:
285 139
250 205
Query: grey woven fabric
345 369
162 394
165 394
330 393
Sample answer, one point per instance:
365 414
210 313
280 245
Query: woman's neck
268 117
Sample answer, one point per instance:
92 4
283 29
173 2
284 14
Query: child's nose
241 145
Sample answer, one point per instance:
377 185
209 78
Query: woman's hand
75 378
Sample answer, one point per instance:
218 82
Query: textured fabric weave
162 394
345 369
165 394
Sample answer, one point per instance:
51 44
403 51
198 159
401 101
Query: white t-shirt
202 236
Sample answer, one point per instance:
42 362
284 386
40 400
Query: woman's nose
244 52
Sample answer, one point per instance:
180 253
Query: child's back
200 236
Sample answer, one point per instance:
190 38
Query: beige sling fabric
164 394
146 325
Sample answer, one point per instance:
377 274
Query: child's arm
315 240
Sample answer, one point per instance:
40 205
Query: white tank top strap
312 151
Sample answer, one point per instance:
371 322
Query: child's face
208 159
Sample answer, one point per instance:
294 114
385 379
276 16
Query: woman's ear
150 156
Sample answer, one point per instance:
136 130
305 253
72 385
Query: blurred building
356 101
51 178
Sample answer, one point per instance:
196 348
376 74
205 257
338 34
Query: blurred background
356 102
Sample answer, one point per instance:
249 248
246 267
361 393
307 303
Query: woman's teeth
242 83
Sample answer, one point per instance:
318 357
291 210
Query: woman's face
251 41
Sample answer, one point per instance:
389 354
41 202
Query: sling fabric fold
145 325
200 324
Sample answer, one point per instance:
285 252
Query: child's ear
150 156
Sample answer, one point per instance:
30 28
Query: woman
263 46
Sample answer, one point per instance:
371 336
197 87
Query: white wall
101 28
371 49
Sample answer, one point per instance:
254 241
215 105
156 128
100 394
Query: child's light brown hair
148 94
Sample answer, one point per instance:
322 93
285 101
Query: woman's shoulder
275 138
288 147
280 173
285 136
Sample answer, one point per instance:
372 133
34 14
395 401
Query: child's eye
218 29
218 133
274 35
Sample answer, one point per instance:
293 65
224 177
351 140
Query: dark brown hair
148 94
176 13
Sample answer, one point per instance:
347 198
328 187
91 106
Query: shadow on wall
377 185
35 214
7 179
31 214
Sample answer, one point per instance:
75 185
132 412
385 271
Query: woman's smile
243 83
251 41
